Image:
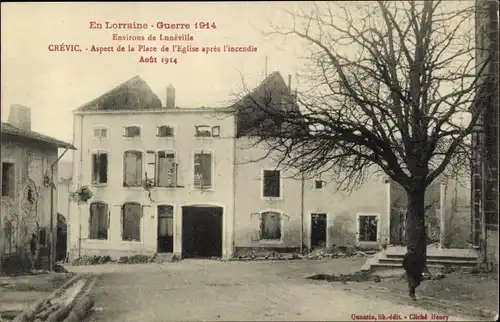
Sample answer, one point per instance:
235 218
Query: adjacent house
485 152
28 204
166 179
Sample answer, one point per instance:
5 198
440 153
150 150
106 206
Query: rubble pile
344 278
338 252
91 260
318 253
134 259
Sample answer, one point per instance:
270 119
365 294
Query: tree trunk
416 236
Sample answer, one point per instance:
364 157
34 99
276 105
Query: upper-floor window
318 184
8 179
203 170
99 168
165 131
132 169
132 131
161 168
271 184
100 132
207 131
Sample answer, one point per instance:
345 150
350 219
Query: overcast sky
53 84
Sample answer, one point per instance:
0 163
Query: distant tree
388 84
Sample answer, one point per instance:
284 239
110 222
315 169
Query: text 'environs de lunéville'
176 37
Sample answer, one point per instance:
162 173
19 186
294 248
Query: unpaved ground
471 290
198 290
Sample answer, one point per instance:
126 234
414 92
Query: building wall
341 208
115 195
31 162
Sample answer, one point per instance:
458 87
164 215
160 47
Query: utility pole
265 68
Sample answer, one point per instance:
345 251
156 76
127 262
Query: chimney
170 103
290 83
20 117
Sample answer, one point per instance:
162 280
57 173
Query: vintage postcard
249 161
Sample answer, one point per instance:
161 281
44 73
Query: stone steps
436 258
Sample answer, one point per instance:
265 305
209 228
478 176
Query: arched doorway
61 241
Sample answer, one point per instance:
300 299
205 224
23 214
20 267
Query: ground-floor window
131 221
368 228
270 225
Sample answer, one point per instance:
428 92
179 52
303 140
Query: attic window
215 131
132 131
100 132
203 131
165 131
207 131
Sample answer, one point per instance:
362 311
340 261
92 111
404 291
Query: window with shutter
131 221
132 169
98 221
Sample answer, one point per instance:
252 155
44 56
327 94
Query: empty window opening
368 228
98 221
150 173
270 226
131 221
165 131
203 131
318 230
167 169
203 170
8 175
99 168
132 169
132 131
272 183
318 184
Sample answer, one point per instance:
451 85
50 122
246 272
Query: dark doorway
201 231
61 241
165 229
318 230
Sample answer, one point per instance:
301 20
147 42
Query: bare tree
387 85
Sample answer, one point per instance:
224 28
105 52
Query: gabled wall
114 194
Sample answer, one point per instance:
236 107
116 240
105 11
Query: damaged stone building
167 179
29 168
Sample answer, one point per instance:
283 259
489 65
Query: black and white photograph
250 161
